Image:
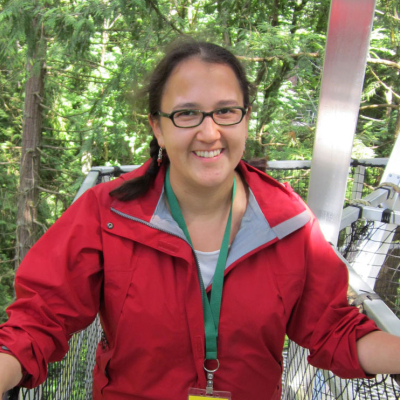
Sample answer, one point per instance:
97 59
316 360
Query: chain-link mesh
373 250
298 179
371 241
71 378
362 179
303 381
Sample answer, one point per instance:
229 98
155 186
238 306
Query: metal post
344 69
358 183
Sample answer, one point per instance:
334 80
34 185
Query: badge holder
209 392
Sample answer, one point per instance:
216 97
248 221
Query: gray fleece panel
254 231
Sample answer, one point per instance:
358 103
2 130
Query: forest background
71 71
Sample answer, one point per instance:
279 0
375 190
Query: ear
155 126
248 114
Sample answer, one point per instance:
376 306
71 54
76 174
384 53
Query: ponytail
138 186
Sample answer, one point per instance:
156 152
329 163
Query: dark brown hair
179 52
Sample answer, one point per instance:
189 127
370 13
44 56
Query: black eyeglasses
190 118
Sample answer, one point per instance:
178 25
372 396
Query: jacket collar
273 212
278 203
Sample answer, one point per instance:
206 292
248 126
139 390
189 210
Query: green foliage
99 53
11 106
379 126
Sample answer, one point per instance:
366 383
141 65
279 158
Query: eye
186 113
222 111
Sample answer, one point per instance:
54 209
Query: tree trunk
397 126
28 194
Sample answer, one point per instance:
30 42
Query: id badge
200 394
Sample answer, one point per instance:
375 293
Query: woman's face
206 155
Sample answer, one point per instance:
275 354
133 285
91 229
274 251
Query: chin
211 181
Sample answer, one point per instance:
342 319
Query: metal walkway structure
71 378
366 233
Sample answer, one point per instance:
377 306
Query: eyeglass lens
223 116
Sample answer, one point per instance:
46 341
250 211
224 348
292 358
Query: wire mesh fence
71 378
298 179
363 180
303 381
373 250
364 176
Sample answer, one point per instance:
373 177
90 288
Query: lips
208 154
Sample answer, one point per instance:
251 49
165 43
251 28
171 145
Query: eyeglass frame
205 114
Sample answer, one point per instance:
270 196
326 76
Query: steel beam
347 46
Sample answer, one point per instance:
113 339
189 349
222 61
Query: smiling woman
202 86
197 263
198 86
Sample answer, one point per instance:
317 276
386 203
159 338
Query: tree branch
59 148
159 13
388 63
93 80
68 131
115 20
62 140
371 119
91 63
269 59
43 226
52 192
384 85
395 17
63 116
372 106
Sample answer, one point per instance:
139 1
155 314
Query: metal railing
71 378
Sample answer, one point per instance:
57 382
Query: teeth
208 154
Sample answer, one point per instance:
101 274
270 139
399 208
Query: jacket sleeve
58 288
322 319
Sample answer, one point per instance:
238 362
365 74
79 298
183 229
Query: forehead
202 84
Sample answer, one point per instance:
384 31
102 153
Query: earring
159 157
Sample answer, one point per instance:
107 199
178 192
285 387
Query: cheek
242 137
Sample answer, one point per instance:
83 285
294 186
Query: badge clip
209 392
210 377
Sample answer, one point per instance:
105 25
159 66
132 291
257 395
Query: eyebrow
181 106
222 103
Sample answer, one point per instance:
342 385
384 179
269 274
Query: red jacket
129 261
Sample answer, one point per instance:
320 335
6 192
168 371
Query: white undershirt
208 264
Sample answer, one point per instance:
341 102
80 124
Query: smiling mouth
208 154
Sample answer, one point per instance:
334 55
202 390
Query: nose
208 130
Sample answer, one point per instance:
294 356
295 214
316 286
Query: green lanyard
212 308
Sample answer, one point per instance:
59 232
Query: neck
205 211
202 201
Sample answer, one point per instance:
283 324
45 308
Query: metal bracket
365 296
386 214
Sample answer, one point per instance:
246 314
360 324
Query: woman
150 256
